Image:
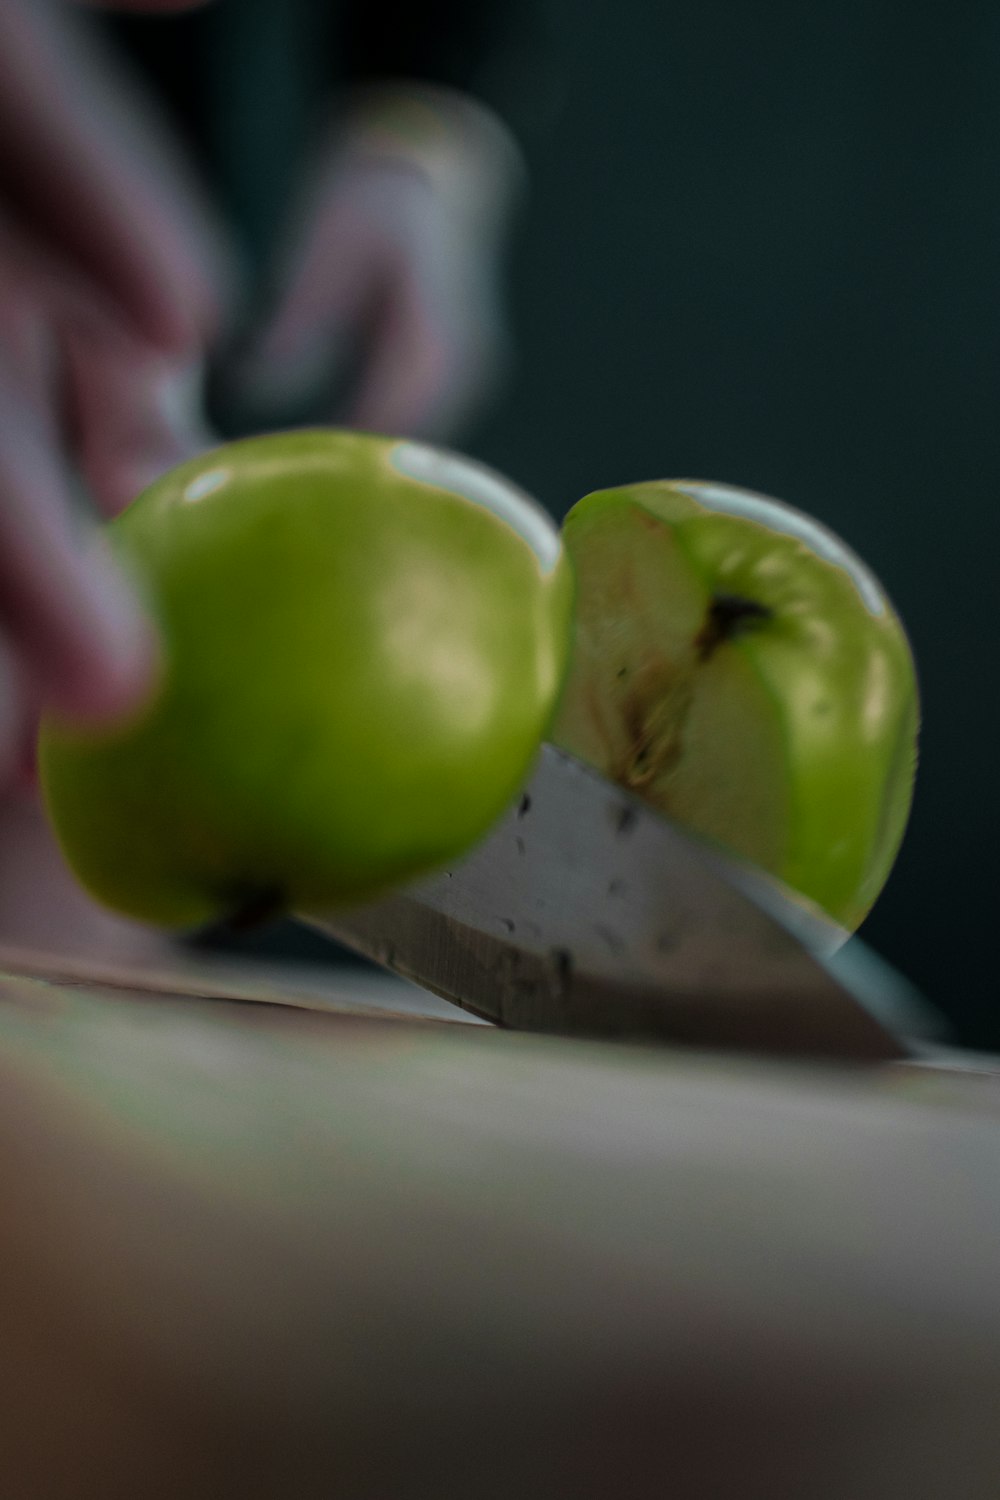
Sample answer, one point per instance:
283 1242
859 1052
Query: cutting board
291 1235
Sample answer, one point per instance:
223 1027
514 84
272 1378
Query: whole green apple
364 640
738 667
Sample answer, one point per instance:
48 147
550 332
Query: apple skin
364 643
738 667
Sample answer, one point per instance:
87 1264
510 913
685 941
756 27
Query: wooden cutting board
337 1246
276 989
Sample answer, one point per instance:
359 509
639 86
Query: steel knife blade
587 913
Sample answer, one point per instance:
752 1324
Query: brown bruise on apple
661 699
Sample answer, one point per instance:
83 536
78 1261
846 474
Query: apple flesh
741 670
364 641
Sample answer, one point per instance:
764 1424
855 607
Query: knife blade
586 913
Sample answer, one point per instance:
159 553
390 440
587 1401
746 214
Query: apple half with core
364 640
741 670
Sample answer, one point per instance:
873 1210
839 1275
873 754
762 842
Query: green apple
739 668
364 641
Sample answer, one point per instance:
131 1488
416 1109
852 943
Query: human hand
72 635
106 299
397 251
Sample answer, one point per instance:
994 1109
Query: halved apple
742 670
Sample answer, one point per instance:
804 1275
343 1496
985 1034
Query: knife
587 913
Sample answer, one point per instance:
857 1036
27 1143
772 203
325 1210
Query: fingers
106 303
407 367
422 374
67 614
383 266
332 265
71 635
131 413
83 153
124 410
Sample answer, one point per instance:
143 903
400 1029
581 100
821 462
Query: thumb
68 613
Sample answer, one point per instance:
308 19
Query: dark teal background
763 246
